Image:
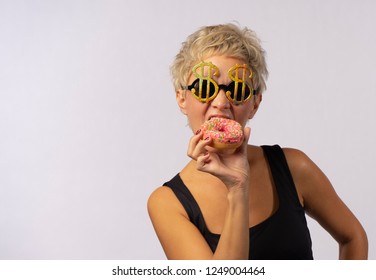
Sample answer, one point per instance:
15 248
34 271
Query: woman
248 203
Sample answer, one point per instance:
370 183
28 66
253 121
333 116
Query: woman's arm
323 204
180 239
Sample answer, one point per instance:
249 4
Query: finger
201 147
193 143
203 161
197 145
210 163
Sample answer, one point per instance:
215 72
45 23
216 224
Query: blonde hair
224 39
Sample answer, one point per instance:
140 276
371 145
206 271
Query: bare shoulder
309 180
298 161
159 193
301 166
163 200
179 238
255 154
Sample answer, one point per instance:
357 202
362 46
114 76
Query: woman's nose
220 101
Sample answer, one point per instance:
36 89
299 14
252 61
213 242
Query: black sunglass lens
236 95
204 89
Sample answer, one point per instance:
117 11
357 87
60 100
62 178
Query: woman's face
198 112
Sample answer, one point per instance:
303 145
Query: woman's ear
257 98
181 100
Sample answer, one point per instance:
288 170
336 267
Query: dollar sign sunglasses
205 89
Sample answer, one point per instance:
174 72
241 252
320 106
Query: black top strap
186 198
281 174
193 210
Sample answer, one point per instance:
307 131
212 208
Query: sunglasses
205 89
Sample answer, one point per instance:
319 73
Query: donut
225 133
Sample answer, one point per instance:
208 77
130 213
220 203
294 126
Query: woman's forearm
234 240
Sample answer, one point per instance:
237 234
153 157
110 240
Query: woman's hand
231 167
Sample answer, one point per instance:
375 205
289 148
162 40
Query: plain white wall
89 125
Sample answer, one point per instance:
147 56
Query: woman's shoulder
255 153
160 195
309 179
292 154
163 200
299 162
163 206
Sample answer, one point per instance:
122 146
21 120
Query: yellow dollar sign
199 72
238 80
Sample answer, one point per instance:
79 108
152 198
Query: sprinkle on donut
225 133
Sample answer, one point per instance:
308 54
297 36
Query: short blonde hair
224 39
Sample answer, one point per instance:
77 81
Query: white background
89 126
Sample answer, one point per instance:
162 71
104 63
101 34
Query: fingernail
207 138
198 131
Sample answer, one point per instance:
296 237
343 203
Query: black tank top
282 236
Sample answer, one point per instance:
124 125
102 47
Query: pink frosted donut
226 133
